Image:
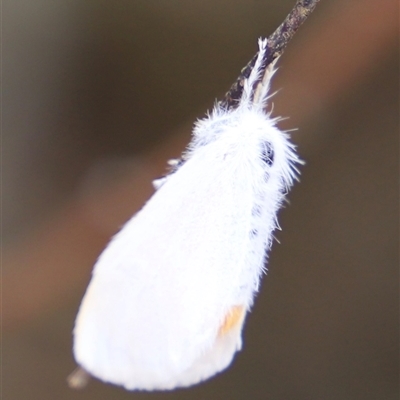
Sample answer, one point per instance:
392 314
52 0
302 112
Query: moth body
169 294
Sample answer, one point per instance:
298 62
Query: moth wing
218 357
151 316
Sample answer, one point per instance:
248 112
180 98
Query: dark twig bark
276 44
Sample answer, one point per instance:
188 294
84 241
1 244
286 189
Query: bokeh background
97 95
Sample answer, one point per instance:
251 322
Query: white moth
168 297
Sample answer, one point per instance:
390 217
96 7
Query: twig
276 44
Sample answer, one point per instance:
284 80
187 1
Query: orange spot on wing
232 319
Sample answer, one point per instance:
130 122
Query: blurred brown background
98 95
